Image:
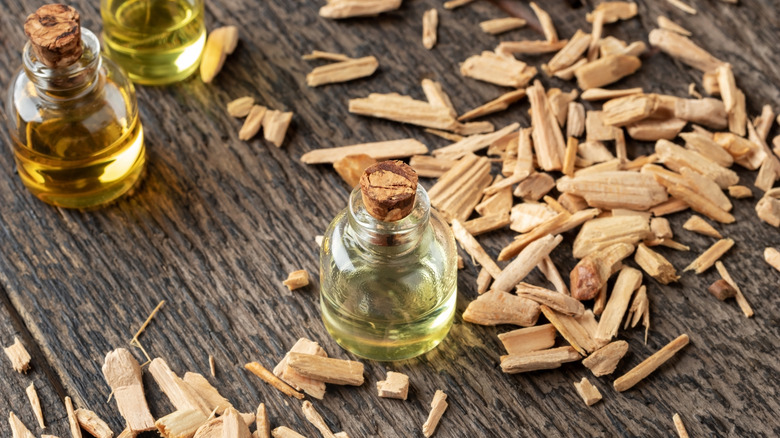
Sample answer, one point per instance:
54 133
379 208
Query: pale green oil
388 307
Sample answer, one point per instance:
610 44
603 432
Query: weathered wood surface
218 223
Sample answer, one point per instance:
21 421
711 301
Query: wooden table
218 223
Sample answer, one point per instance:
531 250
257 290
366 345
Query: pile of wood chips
617 202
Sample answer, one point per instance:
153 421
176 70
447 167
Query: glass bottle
72 115
388 268
157 41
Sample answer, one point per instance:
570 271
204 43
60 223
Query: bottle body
388 298
157 41
76 136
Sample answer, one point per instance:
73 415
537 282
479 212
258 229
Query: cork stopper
389 190
55 35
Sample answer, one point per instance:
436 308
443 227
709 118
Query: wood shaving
499 104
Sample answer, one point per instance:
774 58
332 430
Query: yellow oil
157 41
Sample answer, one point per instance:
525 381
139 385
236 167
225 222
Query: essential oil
157 41
388 288
76 136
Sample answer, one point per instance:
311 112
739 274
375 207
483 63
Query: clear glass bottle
388 288
72 115
157 41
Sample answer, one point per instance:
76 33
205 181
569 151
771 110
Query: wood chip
546 21
707 147
623 111
667 24
93 424
351 168
342 71
395 385
682 48
606 70
327 56
438 406
499 104
656 265
550 271
430 167
595 94
240 107
263 425
297 279
614 11
699 225
473 143
328 370
639 311
275 124
436 96
285 432
123 375
528 47
180 394
379 151
547 137
497 69
527 215
525 262
710 256
501 25
253 122
559 224
679 426
676 157
496 202
35 403
486 224
403 109
18 355
357 8
568 54
740 192
496 307
314 388
554 300
708 112
315 418
600 233
234 426
459 190
596 129
612 190
220 43
631 378
528 339
430 22
474 249
572 203
452 4
604 360
593 151
700 204
268 377
73 422
591 273
772 256
18 428
768 210
741 300
215 402
538 360
589 393
534 187
682 6
575 330
628 280
575 124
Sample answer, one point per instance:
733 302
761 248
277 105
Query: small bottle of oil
72 115
388 268
157 41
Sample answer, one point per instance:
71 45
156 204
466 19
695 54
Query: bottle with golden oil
388 268
72 115
157 41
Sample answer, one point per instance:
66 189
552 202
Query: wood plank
218 223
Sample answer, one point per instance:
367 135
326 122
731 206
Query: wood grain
218 224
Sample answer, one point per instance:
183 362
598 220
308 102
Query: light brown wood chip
501 25
610 190
710 256
679 426
474 249
220 43
594 94
430 167
327 56
395 385
73 422
575 124
430 22
497 69
18 355
550 271
656 265
275 124
473 143
600 233
559 224
342 71
528 339
263 425
528 47
253 122
676 157
606 70
772 256
680 47
234 426
576 330
568 54
285 432
741 300
35 403
525 262
682 6
438 406
436 96
628 280
351 168
315 418
554 300
699 225
614 11
93 424
240 107
379 151
314 388
639 372
18 428
589 393
486 224
328 370
667 24
546 21
403 109
538 360
123 375
297 279
357 8
459 190
499 104
604 360
452 4
268 377
740 192
547 137
592 272
214 400
181 395
496 307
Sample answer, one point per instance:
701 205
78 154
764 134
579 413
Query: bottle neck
65 83
389 237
